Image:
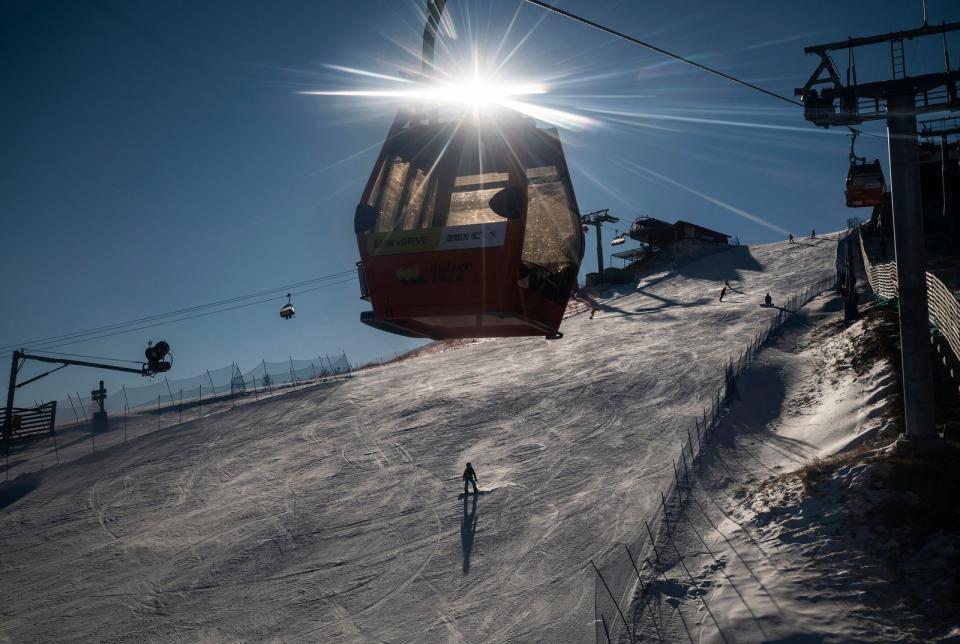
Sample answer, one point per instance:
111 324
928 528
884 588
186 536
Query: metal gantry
155 364
828 101
596 219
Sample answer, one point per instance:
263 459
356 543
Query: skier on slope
582 295
723 292
791 237
813 234
469 477
768 300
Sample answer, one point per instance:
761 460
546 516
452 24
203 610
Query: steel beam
911 269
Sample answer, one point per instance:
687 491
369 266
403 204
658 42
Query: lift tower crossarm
909 34
854 103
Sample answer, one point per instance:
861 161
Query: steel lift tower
827 101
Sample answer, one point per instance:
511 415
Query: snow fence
208 388
620 596
942 305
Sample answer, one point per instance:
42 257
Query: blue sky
158 155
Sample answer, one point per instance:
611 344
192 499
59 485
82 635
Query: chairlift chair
287 311
619 239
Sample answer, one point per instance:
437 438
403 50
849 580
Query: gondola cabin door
468 229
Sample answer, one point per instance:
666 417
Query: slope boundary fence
942 306
619 588
163 404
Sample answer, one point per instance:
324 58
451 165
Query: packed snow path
331 514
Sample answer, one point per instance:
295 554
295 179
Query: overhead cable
659 50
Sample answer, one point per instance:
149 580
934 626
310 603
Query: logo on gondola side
452 273
410 275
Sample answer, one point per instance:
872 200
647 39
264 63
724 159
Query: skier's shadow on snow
468 528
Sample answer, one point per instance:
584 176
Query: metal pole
180 409
75 415
158 411
599 252
676 477
911 268
200 403
80 404
605 629
212 386
126 410
8 411
653 544
615 602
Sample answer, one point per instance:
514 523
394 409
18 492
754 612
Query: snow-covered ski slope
331 514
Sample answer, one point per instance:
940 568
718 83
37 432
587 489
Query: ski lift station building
661 234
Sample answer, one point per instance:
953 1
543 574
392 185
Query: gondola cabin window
551 242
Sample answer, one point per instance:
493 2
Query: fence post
212 386
126 410
653 544
663 501
676 477
690 443
685 470
158 411
80 404
200 403
180 410
615 602
75 415
293 376
605 629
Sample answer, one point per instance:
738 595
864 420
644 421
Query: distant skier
723 292
813 234
469 477
768 300
791 238
582 295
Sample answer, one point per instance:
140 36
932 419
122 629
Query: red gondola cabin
469 229
865 184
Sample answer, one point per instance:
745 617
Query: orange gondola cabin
469 229
865 185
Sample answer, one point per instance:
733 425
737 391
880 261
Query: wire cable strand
659 50
56 344
199 307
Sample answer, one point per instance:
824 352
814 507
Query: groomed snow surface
331 514
795 530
